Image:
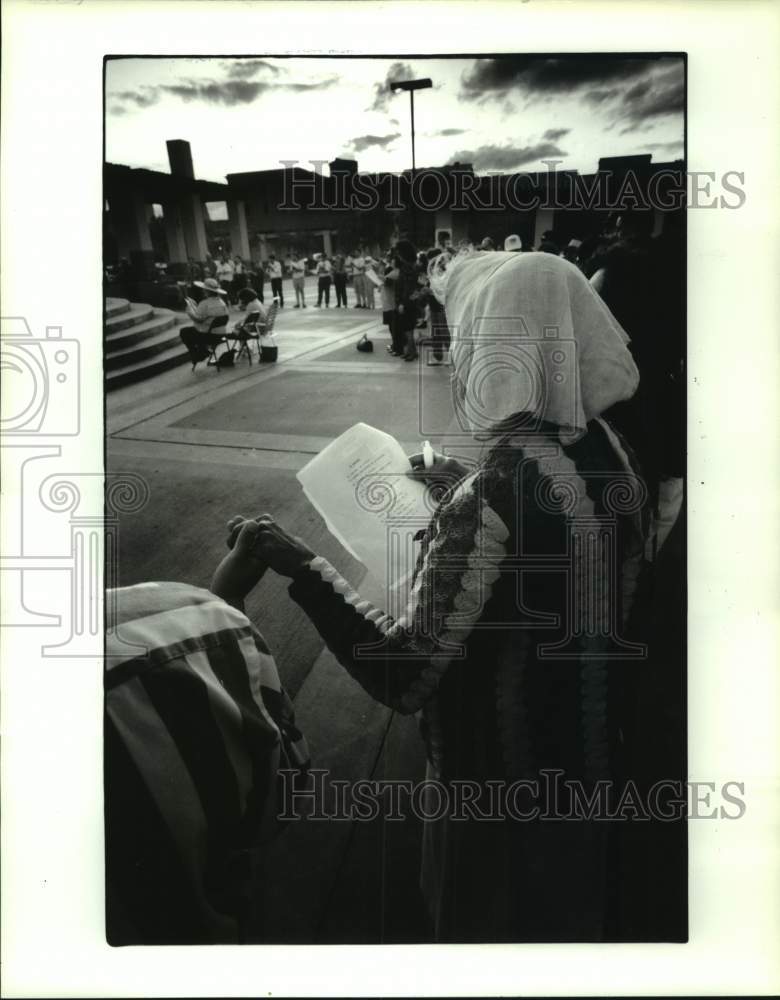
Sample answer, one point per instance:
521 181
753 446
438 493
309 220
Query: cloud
558 75
143 98
361 142
664 147
661 95
382 91
599 96
448 131
245 69
554 134
506 157
228 92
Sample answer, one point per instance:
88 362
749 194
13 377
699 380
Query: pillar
174 234
130 223
261 252
545 218
239 235
327 244
191 213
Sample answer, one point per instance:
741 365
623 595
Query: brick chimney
180 158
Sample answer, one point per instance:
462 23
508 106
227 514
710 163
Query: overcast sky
505 114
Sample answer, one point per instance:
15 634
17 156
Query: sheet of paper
359 486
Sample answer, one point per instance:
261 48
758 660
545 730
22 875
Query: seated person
197 338
211 305
197 727
250 303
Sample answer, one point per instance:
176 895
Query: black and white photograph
389 600
395 365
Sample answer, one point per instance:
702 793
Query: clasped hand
260 543
256 545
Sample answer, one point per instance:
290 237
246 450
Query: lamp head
410 84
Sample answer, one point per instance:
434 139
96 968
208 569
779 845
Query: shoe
411 357
304 305
297 306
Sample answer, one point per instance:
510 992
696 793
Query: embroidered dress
508 650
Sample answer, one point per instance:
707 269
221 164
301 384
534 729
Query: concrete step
137 313
116 306
122 339
174 356
148 348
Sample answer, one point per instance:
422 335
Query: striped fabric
197 726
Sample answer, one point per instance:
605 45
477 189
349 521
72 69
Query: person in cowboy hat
196 338
513 243
212 304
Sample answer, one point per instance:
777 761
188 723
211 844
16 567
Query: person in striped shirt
197 727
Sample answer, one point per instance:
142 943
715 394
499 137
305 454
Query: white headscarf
529 334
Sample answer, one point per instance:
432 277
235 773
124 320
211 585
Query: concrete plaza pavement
211 444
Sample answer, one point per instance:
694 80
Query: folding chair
248 331
270 319
217 335
269 353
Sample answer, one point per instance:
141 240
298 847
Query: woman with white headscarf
517 612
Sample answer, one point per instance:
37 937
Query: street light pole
411 107
411 86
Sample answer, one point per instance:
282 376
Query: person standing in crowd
406 285
487 244
641 280
323 281
195 271
340 280
225 273
513 244
239 276
298 270
257 277
548 243
197 730
387 293
274 269
502 707
571 251
359 278
438 330
210 267
369 286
